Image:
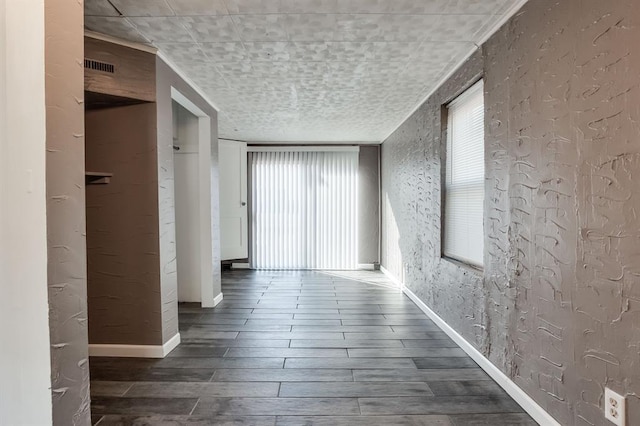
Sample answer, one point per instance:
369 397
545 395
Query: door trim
208 299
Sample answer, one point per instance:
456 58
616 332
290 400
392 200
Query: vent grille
92 64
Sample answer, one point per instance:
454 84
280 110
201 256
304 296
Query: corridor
303 348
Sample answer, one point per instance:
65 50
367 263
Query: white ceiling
306 70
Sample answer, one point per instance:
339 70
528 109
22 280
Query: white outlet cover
614 407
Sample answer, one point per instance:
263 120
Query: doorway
192 187
187 189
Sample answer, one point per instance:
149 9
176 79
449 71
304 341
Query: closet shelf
97 178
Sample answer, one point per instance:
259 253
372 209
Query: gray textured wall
368 204
557 306
122 227
67 282
165 79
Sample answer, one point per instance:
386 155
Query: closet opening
192 195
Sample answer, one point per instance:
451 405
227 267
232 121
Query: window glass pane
304 208
464 181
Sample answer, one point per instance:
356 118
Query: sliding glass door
304 209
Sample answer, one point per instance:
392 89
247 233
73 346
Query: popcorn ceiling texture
557 307
306 70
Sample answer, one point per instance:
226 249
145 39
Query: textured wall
187 203
122 227
25 370
368 204
557 307
167 78
66 213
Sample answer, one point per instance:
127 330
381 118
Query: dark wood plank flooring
303 348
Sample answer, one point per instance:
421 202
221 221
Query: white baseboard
520 396
135 351
240 266
366 266
217 300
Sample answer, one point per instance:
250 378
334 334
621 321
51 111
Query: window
464 182
304 206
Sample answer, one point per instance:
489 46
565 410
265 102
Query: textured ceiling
306 70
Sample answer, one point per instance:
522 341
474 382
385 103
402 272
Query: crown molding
121 42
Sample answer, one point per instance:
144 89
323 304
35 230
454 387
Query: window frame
467 93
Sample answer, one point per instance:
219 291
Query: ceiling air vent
92 64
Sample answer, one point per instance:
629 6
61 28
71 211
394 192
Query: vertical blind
304 210
464 183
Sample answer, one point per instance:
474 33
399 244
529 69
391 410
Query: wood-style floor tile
443 362
115 420
221 363
411 375
509 419
356 389
344 343
286 353
365 421
143 406
277 406
197 390
152 374
109 388
466 387
297 348
433 352
283 375
352 363
438 405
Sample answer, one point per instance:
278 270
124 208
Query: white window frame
463 211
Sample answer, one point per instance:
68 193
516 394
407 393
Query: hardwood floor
303 348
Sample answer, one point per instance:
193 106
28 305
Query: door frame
208 299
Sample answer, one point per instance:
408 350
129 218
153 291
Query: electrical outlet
614 407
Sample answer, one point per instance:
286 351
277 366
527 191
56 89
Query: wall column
25 398
65 190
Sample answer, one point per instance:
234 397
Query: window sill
478 270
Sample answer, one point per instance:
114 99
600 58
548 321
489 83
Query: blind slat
464 178
304 211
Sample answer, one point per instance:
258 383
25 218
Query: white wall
25 397
187 193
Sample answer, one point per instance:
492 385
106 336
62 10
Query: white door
232 157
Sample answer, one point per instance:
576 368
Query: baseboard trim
135 351
520 396
240 266
366 267
217 300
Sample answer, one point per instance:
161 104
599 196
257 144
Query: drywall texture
557 307
368 204
25 370
187 203
66 242
122 227
166 78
